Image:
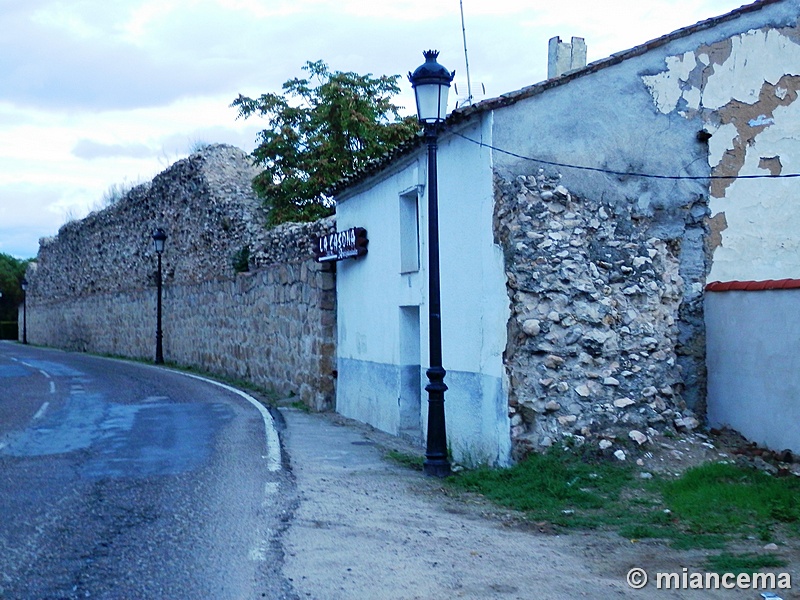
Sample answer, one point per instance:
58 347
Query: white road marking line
273 442
155 399
40 413
258 554
45 373
271 489
261 552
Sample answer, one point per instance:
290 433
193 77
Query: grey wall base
475 406
753 356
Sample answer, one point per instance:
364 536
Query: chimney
563 57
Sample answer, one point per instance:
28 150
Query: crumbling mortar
594 316
93 286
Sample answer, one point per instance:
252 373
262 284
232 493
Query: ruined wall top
207 207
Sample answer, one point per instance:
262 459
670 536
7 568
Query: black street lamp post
24 285
159 237
431 83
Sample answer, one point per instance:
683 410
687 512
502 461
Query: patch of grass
727 562
409 461
724 498
704 508
560 486
301 406
657 528
644 531
688 541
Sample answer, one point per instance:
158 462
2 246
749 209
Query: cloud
98 56
89 150
94 92
27 212
17 241
243 138
81 56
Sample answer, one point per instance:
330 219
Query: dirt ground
365 528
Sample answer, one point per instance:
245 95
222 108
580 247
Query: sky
96 94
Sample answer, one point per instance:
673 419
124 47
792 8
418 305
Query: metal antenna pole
466 58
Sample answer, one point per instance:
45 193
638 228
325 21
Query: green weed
559 486
409 461
704 508
725 498
727 562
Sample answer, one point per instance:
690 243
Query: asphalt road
126 481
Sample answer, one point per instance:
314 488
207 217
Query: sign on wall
350 243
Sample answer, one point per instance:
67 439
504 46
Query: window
409 232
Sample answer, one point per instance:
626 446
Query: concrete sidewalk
365 528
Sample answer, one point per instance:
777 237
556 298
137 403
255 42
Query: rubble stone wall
93 287
593 335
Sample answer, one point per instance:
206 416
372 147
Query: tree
11 273
321 129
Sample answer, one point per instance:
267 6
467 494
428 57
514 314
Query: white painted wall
475 306
754 365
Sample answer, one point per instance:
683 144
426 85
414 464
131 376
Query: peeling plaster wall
735 79
744 91
605 269
607 120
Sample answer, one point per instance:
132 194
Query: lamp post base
436 462
437 468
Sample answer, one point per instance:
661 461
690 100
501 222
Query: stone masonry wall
93 287
592 340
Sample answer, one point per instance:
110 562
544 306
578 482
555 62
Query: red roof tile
753 286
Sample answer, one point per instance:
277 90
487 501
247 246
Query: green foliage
9 330
198 145
687 541
241 260
321 129
727 562
12 271
301 406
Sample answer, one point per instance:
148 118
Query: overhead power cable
627 173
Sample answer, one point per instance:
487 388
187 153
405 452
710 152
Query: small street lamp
24 285
159 237
431 83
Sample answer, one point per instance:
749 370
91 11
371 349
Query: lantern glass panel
431 102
